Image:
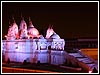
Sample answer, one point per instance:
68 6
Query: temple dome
15 28
55 36
33 31
23 24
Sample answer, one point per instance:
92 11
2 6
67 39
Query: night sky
69 19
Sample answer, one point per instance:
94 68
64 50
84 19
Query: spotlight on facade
90 71
5 36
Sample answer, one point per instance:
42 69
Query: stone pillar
49 50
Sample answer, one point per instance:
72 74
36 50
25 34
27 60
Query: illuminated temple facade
26 43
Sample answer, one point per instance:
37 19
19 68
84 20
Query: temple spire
13 19
9 22
22 17
30 22
29 19
49 26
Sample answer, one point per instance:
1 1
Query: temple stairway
91 63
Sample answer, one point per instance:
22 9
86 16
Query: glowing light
5 36
90 71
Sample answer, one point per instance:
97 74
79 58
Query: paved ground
46 67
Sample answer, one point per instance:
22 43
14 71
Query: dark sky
69 19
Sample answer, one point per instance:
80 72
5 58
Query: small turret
49 32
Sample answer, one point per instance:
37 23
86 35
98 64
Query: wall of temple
34 50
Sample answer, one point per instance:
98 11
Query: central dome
32 31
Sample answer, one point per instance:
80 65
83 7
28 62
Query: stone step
75 54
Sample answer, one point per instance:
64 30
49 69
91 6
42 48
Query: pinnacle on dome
50 26
30 23
10 24
22 17
13 19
